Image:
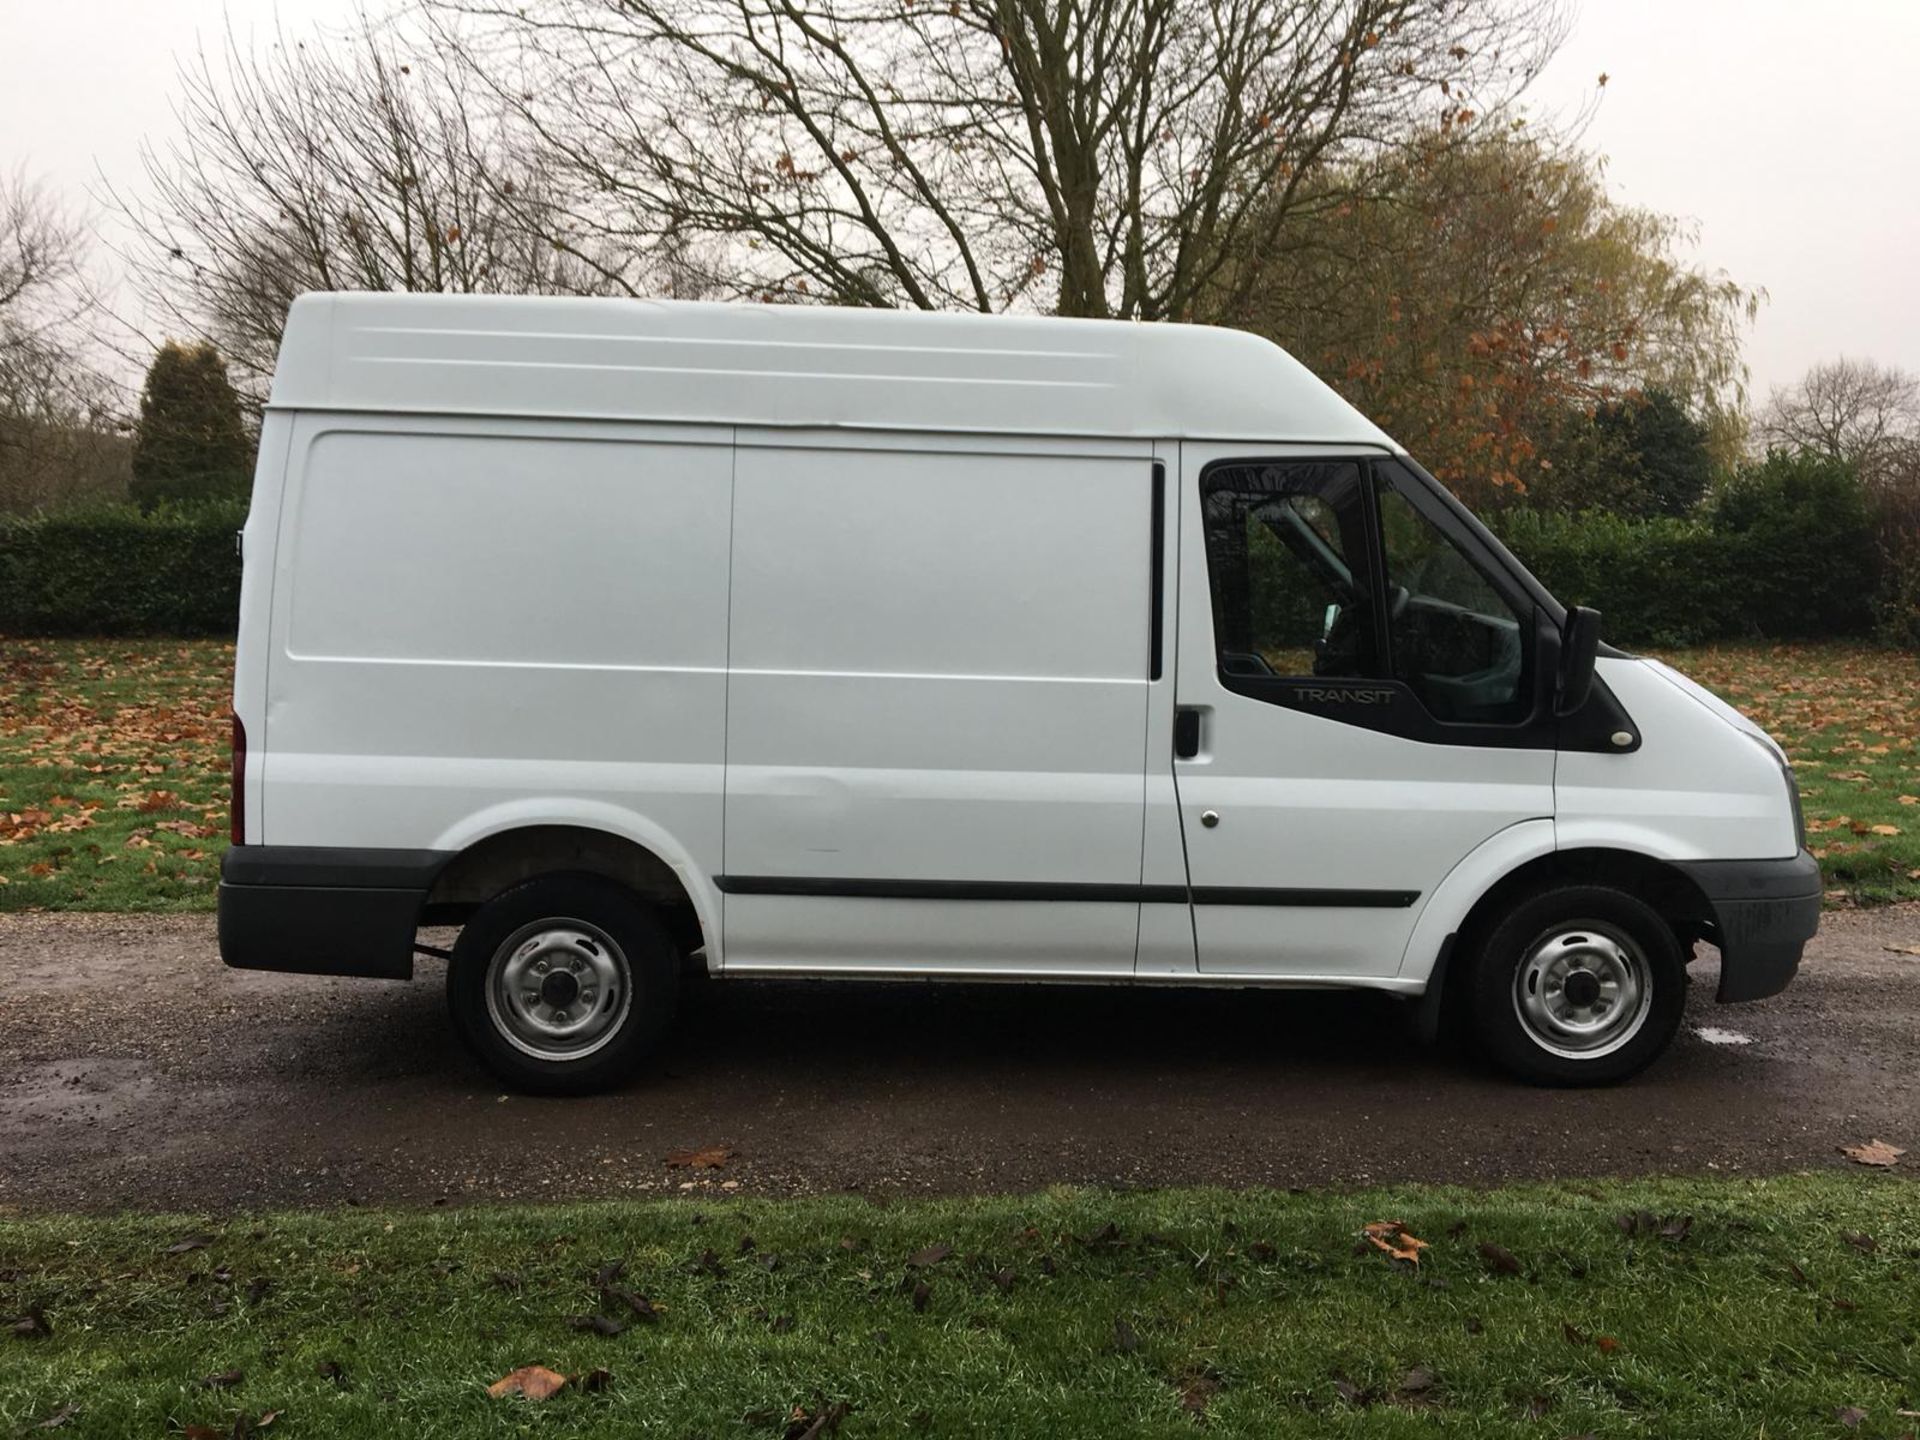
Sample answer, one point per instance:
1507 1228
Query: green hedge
1786 551
119 572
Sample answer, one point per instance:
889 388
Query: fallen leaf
192 1242
932 1255
707 1157
803 1424
922 1292
536 1382
1861 1242
1416 1381
1884 829
1499 1259
1197 1389
58 1418
1606 1344
1850 1416
1124 1338
1903 949
598 1324
594 1381
640 1305
1004 1278
1874 1152
31 1326
225 1380
1392 1239
1350 1392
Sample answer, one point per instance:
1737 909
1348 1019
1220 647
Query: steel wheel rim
558 989
1583 991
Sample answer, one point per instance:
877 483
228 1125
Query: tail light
239 821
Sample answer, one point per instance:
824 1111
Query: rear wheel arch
497 863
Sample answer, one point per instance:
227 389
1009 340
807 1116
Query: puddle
1714 1035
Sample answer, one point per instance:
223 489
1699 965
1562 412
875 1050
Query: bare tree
350 163
1854 410
56 412
1092 157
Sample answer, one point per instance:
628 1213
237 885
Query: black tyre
1577 985
563 984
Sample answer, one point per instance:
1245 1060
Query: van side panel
483 624
938 694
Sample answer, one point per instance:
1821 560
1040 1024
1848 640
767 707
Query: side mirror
1579 646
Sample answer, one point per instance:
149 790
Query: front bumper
1764 911
323 911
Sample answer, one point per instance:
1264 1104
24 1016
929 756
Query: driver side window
1288 562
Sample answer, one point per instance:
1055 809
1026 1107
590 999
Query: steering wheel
1398 597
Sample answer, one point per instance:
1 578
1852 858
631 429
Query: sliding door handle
1186 733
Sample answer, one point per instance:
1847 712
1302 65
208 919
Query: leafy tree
191 442
1475 294
1644 455
1669 450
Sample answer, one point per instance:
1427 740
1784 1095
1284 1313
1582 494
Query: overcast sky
1786 130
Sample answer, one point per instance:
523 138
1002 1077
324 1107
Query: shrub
191 443
118 571
1804 533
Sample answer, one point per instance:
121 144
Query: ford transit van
630 637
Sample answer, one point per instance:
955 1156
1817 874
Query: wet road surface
136 1071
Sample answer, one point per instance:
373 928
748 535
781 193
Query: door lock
1209 818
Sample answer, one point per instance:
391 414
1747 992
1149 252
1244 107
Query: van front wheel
1578 985
563 984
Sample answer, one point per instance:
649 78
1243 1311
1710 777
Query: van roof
799 365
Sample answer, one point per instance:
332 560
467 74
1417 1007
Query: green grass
113 773
113 764
1170 1313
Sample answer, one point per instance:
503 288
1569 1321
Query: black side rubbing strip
1041 890
1155 622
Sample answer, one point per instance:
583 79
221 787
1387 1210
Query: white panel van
629 636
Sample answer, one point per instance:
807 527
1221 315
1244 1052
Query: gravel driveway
135 1070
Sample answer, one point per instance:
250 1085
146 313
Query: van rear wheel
563 984
1578 985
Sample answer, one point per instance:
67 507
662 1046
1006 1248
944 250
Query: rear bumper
1765 912
323 910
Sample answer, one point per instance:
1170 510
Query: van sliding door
937 705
